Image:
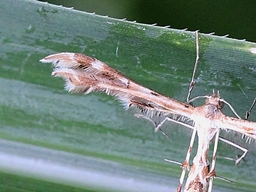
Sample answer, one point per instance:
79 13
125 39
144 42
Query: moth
84 74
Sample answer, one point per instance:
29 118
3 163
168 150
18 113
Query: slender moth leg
250 110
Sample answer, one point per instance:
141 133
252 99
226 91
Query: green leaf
51 139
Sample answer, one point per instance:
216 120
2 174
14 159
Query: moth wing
84 74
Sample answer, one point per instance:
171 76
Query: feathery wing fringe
84 74
247 128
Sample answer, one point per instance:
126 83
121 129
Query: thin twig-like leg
156 126
172 161
237 146
172 120
192 82
250 110
185 164
212 173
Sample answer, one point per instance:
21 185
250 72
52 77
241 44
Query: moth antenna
232 109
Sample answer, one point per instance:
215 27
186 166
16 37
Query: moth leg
185 165
192 82
236 146
247 114
172 161
145 117
212 172
172 120
154 123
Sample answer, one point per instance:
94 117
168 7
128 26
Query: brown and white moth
84 74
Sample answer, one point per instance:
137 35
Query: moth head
215 100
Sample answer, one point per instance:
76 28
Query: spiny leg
192 82
185 164
212 173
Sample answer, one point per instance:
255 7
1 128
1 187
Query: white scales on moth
84 74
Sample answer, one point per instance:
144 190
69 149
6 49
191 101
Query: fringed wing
85 74
248 128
